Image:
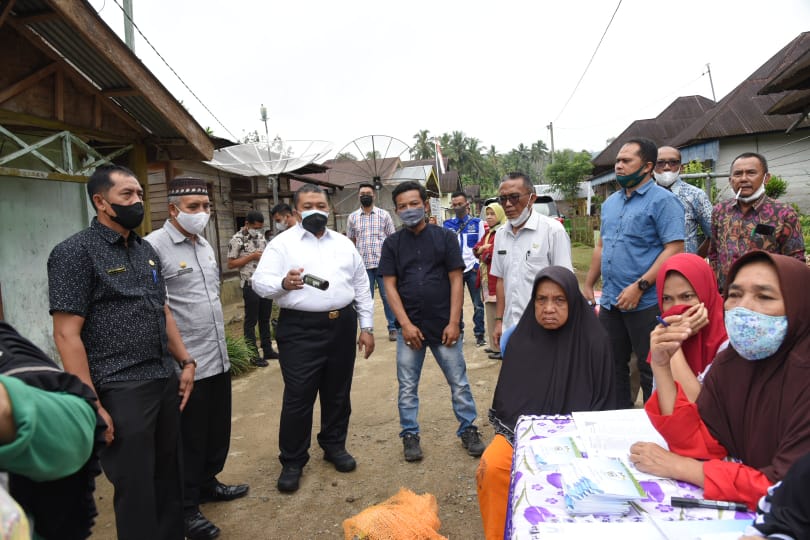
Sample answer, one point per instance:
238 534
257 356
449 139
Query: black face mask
315 222
366 200
129 217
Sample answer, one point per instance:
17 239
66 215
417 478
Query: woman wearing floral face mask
755 401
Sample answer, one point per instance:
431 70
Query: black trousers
257 310
143 463
206 431
629 331
317 359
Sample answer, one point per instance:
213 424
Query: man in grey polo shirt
192 281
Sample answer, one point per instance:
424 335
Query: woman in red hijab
755 402
690 289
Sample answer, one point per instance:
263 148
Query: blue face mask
753 335
412 216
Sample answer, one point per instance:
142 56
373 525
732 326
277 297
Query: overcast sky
499 71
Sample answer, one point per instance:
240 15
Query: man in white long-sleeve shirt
316 331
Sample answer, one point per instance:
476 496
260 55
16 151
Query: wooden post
138 164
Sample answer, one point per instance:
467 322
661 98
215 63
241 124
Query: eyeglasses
512 198
673 163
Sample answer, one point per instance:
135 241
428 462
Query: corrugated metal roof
661 129
58 33
795 76
743 111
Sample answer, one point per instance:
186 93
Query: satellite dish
269 159
371 159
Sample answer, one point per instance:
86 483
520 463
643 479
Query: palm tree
423 146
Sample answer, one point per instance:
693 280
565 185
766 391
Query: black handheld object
764 229
684 502
314 281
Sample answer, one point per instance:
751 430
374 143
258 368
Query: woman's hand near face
666 340
696 317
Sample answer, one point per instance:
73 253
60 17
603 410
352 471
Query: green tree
776 187
423 146
345 156
568 170
373 155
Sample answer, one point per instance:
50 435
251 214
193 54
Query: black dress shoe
197 527
271 355
289 478
222 492
342 460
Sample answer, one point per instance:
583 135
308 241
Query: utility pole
273 180
711 83
129 36
550 128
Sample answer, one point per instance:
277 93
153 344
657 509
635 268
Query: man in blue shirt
422 267
469 231
642 226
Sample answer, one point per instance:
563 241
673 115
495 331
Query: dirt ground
327 497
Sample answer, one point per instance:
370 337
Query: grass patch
581 257
240 353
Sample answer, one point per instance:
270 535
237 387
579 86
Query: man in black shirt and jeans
422 271
114 331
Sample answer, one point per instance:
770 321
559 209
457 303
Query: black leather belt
316 315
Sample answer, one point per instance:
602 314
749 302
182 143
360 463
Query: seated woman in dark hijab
556 361
755 403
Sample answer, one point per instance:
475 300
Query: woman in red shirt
751 420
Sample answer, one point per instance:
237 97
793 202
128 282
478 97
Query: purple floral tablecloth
536 496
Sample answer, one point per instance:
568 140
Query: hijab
62 508
555 371
499 213
701 348
760 410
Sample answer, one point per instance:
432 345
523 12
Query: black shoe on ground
392 335
471 440
412 450
222 492
480 341
259 362
271 355
342 460
197 527
495 356
490 351
289 479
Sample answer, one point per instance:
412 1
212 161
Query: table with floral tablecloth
537 506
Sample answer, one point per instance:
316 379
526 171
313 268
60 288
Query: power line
589 61
173 71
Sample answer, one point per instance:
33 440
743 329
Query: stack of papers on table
612 433
599 485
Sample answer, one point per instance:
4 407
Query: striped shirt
369 231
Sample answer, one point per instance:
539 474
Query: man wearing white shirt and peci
319 281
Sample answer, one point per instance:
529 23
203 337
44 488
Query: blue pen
661 320
154 275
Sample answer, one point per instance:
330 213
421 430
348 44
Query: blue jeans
409 369
475 294
374 277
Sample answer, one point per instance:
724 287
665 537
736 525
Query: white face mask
754 196
281 226
193 223
666 178
524 215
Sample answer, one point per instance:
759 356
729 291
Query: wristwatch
643 284
368 330
186 362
